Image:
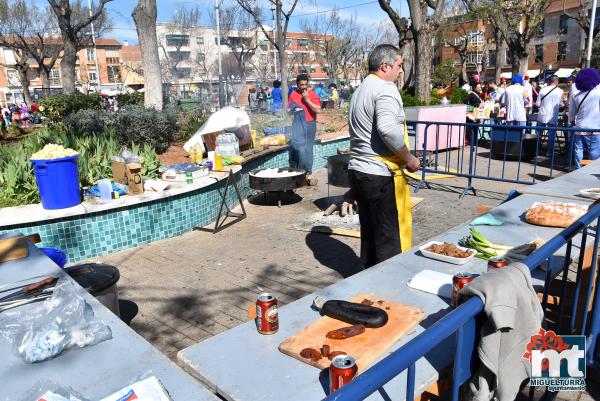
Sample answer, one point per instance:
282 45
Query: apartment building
557 47
98 69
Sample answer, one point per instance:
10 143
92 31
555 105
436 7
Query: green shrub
17 179
85 122
56 108
190 121
136 98
458 96
137 124
409 100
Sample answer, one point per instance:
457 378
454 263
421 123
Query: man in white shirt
550 101
514 99
529 90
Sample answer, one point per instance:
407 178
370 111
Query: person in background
261 98
269 98
335 96
24 115
6 115
380 149
276 96
528 89
304 104
492 91
343 94
535 91
584 112
550 101
34 107
292 88
252 102
501 89
321 92
474 98
514 99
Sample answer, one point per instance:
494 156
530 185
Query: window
78 74
313 69
112 55
178 40
540 29
90 54
176 57
508 58
92 76
304 69
54 77
563 25
539 54
459 40
200 40
201 57
491 58
325 69
476 38
12 77
184 72
9 57
114 73
288 42
302 42
474 57
561 55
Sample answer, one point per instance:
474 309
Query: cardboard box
129 174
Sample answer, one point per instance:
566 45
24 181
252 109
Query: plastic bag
49 390
46 329
147 387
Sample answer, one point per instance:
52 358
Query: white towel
432 282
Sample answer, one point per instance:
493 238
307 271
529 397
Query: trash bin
100 280
58 182
59 257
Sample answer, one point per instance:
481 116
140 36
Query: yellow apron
402 196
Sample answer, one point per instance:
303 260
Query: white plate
444 258
589 194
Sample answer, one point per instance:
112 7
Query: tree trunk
523 63
67 64
463 70
406 75
144 16
423 57
45 78
283 67
22 71
498 70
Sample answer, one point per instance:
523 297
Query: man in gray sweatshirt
376 121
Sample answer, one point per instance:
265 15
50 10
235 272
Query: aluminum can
497 262
267 316
189 178
341 371
459 280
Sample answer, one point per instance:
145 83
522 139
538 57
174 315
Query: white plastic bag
146 389
49 390
42 331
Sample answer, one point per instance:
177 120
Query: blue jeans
589 143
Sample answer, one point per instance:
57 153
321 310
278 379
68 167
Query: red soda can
267 316
341 371
497 262
459 280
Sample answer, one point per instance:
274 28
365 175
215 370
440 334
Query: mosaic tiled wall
96 234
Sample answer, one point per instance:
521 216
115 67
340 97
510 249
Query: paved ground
182 290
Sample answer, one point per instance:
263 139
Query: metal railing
461 322
510 154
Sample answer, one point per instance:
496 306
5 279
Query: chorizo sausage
346 332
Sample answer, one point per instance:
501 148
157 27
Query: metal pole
221 99
274 49
95 49
588 58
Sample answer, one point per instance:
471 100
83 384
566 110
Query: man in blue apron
304 104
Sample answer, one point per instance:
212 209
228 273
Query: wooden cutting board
367 347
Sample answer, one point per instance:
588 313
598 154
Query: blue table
94 371
243 365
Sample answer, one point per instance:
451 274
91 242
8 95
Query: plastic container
227 144
100 280
58 182
59 257
444 258
105 188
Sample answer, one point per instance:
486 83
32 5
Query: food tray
593 193
444 258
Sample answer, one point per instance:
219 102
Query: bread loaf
554 214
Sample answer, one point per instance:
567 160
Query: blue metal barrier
461 322
453 149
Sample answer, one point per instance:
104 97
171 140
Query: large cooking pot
276 183
337 171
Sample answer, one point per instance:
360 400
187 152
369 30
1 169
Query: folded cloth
514 314
487 220
432 282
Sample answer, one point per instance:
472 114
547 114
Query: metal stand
239 216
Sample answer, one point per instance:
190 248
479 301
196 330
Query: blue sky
367 12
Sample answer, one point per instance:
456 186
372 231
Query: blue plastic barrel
58 182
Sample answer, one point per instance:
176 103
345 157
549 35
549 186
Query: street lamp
217 8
